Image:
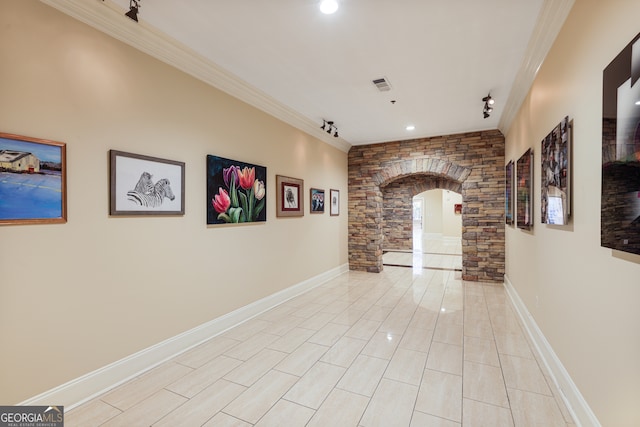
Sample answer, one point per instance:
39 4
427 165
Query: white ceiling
441 57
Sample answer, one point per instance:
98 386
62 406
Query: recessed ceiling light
328 6
410 127
637 102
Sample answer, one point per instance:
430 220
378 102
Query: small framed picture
508 193
457 208
144 185
334 209
316 200
33 183
290 201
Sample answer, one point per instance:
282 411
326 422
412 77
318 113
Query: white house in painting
19 161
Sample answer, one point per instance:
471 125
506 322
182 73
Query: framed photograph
33 180
524 176
289 197
316 200
457 208
334 208
145 185
620 197
555 200
508 193
236 191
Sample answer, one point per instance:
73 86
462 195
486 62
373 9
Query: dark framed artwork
236 191
316 199
457 209
289 196
33 180
508 193
555 189
524 177
334 208
620 199
145 185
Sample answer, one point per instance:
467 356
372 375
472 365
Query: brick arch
471 164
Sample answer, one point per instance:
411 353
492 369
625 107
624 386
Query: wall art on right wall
555 191
524 203
620 202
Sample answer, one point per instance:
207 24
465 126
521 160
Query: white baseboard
86 387
573 399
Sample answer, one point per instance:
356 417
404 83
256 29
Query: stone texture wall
471 164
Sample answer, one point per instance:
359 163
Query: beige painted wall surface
438 216
584 297
75 297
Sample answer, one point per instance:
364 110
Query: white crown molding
550 20
109 19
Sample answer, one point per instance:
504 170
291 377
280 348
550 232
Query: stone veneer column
471 163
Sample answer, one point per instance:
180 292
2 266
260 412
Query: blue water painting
30 196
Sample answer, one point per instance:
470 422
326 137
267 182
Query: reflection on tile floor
431 251
405 347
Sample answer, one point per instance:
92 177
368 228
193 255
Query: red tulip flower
221 201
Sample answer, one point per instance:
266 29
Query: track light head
335 135
324 123
488 102
133 10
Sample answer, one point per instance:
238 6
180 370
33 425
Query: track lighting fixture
488 105
134 5
329 127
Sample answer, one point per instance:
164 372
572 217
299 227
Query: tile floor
405 347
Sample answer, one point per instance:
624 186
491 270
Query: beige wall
78 296
437 212
584 298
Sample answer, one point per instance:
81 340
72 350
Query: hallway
405 347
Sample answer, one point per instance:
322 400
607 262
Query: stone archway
397 206
473 161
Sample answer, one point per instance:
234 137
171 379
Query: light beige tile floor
405 347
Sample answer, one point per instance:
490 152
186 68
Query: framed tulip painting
289 195
236 191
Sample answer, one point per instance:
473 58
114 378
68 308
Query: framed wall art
145 185
508 193
316 198
334 208
555 189
33 180
620 198
524 177
236 191
457 209
289 197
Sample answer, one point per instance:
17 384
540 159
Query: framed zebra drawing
289 195
144 185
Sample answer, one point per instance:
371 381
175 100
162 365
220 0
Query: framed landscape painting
555 200
33 182
524 176
236 191
289 197
145 185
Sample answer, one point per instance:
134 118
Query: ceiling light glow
410 127
328 6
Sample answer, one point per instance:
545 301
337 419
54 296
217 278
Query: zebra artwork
148 194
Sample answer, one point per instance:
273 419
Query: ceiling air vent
382 84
